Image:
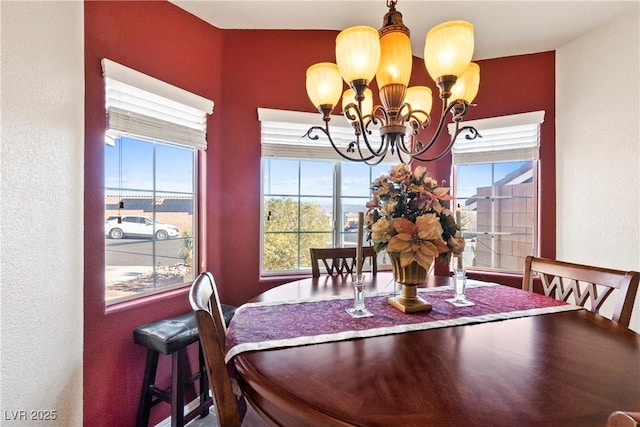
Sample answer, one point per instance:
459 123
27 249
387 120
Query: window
495 185
149 206
154 132
310 198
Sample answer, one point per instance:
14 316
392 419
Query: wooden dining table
568 368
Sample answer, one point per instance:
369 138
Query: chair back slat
341 260
590 286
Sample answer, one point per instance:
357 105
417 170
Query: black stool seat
172 336
169 335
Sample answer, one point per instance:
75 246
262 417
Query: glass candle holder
460 284
359 309
459 288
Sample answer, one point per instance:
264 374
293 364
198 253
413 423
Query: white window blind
140 105
283 135
504 139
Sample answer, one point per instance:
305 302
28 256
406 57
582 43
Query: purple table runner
261 326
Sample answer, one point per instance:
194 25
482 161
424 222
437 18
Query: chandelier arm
313 137
382 150
379 155
360 125
350 116
438 131
473 135
404 112
377 161
402 148
400 154
380 114
416 124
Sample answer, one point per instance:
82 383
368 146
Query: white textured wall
598 148
41 199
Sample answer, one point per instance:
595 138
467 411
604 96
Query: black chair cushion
169 335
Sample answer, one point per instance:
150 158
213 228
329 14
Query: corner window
154 132
495 187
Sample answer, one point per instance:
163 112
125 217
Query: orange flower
420 242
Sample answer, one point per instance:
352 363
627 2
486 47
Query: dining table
514 358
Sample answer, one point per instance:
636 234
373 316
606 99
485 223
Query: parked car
139 226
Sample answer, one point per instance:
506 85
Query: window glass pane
349 208
281 176
356 179
281 214
316 214
497 208
355 193
174 169
136 164
149 233
280 251
316 178
312 240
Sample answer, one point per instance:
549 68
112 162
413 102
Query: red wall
163 41
240 70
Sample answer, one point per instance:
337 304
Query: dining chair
205 302
341 260
623 419
590 286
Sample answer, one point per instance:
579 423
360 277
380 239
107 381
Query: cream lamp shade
324 84
393 122
358 53
448 49
395 59
420 99
466 87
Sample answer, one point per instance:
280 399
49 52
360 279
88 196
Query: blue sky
174 166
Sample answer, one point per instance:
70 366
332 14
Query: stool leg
144 406
204 381
177 388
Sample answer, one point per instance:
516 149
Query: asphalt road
127 252
130 252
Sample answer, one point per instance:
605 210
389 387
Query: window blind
504 139
282 134
140 105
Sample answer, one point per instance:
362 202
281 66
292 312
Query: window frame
195 220
525 150
150 110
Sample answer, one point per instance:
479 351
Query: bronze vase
409 277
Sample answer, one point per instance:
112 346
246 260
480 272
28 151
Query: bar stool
172 337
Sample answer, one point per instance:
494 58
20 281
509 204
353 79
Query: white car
139 226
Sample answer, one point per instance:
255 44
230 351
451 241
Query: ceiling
502 28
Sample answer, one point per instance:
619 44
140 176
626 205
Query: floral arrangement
409 215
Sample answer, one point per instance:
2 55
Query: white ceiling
502 28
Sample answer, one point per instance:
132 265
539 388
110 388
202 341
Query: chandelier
363 53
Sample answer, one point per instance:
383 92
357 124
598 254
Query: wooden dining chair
624 419
341 260
590 286
204 300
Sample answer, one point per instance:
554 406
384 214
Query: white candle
359 245
459 225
